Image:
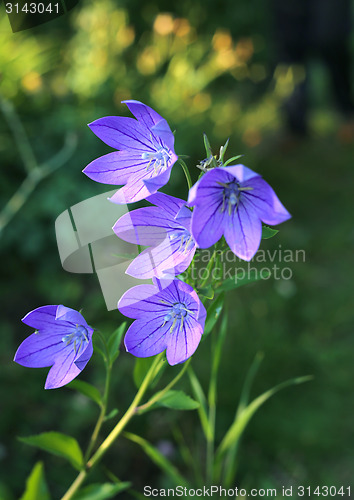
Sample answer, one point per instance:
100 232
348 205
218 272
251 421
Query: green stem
102 413
169 386
186 173
209 266
107 443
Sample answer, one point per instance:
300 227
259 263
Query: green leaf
114 342
178 400
230 160
36 487
160 460
207 146
141 367
230 467
243 279
200 396
101 491
87 390
207 292
111 414
213 313
268 232
242 418
59 444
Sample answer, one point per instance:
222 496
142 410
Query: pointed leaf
87 390
242 419
141 367
101 491
178 400
268 232
59 444
200 397
36 487
213 314
243 279
111 414
160 460
115 340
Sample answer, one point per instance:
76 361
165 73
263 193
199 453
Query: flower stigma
160 157
78 337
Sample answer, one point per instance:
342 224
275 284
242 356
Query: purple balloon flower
165 228
62 340
232 201
146 154
169 316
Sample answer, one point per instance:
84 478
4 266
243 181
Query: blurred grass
205 69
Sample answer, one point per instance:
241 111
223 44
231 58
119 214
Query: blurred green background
205 67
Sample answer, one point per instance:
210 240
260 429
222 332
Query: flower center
231 195
177 313
78 337
186 239
158 159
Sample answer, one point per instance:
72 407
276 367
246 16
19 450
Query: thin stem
169 386
102 414
131 411
210 263
126 417
186 173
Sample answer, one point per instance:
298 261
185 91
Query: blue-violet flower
232 201
145 157
165 228
62 340
169 316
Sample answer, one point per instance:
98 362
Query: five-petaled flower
232 201
62 340
145 157
165 228
169 316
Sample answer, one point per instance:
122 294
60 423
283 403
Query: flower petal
146 337
163 132
169 204
208 223
240 172
63 371
85 357
143 113
40 349
139 300
116 168
183 342
122 133
70 315
144 226
41 317
154 261
243 231
134 190
154 183
265 202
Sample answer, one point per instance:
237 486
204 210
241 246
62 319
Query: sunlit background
210 67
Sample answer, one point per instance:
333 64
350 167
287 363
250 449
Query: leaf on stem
114 342
87 390
268 232
111 414
178 400
141 368
213 314
160 460
243 278
36 487
59 444
242 418
101 491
